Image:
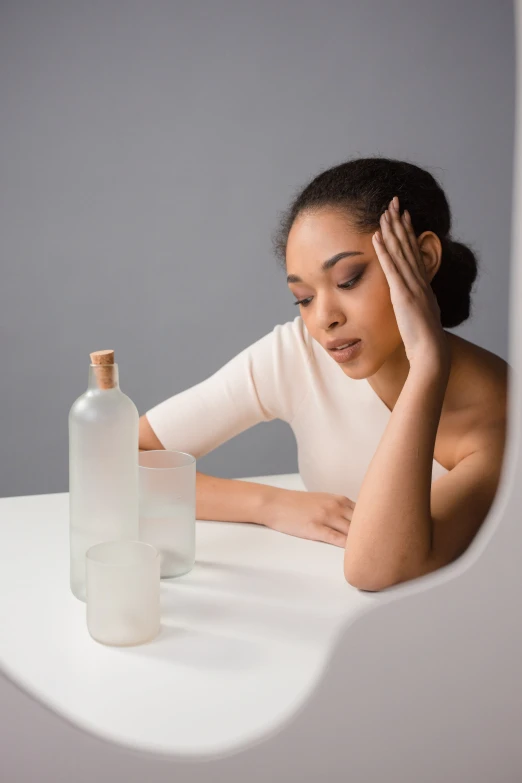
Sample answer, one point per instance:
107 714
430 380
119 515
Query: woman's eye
345 286
350 283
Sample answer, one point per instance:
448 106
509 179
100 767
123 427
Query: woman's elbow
364 582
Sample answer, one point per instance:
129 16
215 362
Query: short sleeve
265 381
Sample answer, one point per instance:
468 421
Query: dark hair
363 187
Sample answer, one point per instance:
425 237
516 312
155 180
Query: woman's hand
415 305
319 516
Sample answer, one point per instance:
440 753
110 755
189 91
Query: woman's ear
430 248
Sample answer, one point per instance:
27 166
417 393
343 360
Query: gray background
146 150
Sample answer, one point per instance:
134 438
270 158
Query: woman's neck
389 379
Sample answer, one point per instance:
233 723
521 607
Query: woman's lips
346 353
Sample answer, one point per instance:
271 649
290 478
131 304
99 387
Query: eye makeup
345 286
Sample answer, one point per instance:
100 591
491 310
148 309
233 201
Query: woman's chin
357 373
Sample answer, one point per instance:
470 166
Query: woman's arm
230 500
391 531
391 527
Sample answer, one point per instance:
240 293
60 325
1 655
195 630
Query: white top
337 421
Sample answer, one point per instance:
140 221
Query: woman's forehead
324 234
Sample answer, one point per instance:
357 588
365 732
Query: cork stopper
103 362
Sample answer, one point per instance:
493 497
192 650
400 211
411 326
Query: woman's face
363 310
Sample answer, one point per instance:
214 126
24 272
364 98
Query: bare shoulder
479 378
477 398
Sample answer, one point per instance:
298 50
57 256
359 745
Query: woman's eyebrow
326 265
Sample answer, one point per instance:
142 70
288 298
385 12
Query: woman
401 436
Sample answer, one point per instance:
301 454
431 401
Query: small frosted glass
167 506
123 592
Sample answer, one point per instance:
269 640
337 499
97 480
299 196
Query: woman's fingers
407 239
340 523
331 536
346 507
394 255
389 267
345 501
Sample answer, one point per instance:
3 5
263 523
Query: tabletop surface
245 636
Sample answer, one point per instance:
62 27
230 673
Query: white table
245 635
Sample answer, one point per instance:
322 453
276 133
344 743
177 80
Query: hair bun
453 282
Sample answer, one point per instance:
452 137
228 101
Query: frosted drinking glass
123 592
167 506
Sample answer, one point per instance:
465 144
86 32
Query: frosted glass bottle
103 466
